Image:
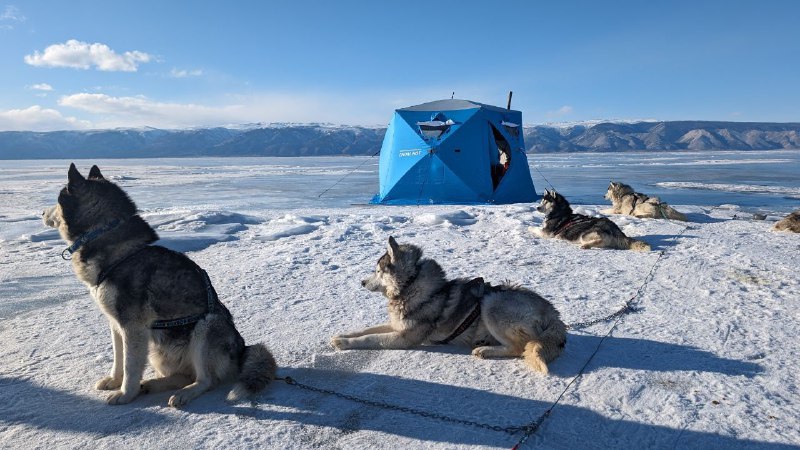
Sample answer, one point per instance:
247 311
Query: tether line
545 178
427 174
348 174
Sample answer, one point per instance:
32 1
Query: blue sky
171 64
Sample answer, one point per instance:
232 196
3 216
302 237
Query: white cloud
81 55
175 73
141 111
36 118
41 87
9 16
563 111
364 108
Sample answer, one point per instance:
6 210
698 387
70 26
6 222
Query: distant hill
321 140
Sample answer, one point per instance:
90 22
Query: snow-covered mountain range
321 139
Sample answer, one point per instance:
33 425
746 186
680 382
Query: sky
178 64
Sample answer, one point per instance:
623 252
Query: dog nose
363 283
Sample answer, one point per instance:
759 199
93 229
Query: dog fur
625 201
789 223
147 283
560 222
425 308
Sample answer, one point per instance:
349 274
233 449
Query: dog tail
638 246
540 351
258 370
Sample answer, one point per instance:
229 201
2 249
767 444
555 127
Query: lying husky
789 223
426 308
625 201
560 222
156 300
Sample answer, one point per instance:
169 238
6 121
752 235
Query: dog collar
88 237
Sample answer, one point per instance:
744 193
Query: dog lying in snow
789 223
625 201
426 308
560 222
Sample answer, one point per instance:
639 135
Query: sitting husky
426 308
560 222
156 300
625 201
789 223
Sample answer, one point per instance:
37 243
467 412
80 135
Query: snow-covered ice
710 361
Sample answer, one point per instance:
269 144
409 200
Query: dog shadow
23 402
662 241
629 353
643 354
334 419
703 218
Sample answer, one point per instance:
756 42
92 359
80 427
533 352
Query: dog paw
536 231
340 342
108 384
178 400
481 352
120 398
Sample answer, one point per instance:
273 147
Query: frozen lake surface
711 361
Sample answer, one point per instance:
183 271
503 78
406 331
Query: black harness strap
464 325
577 218
212 298
476 312
105 272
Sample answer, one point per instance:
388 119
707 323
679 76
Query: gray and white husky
560 222
157 301
426 308
625 201
789 223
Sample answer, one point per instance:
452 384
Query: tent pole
510 93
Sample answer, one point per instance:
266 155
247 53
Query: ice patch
290 225
197 230
50 234
789 192
288 232
457 218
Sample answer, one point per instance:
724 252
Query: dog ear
94 173
74 177
393 248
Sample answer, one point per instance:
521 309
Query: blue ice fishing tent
454 151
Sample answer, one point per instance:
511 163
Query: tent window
511 128
436 127
503 157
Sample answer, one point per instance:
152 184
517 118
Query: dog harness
211 295
464 325
637 197
476 312
577 218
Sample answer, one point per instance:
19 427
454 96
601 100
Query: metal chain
629 307
417 412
